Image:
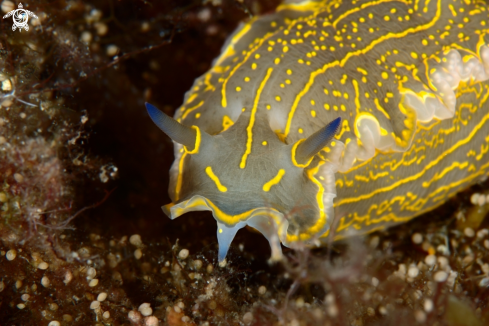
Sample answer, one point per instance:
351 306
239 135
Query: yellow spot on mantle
226 122
276 179
249 129
197 142
214 178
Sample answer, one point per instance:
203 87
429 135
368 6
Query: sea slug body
366 113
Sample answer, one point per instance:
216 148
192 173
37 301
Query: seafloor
83 172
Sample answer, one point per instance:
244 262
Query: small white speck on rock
370 312
469 232
11 254
417 238
183 254
93 283
134 316
145 27
210 268
443 262
186 319
332 310
68 277
420 316
18 177
95 305
145 309
138 253
21 306
294 322
45 282
374 242
101 28
413 271
135 240
204 15
262 290
440 276
474 199
91 273
482 233
54 323
375 281
198 263
299 302
484 282
482 200
485 268
151 321
43 265
112 50
102 296
382 310
430 260
7 6
248 318
106 315
86 37
329 299
428 305
212 305
443 249
24 297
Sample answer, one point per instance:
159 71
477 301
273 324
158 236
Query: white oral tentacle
225 235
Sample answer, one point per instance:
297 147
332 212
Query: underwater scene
244 162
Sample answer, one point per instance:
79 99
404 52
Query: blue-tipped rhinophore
317 141
175 130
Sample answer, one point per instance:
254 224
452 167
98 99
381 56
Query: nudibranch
366 113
